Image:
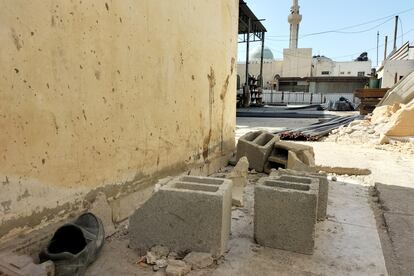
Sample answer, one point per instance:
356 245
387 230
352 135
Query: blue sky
326 15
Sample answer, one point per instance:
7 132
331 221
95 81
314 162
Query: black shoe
75 245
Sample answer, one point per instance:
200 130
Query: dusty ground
391 164
346 243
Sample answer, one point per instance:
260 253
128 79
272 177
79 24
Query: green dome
256 54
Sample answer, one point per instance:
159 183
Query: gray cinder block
323 187
285 215
188 213
256 146
289 155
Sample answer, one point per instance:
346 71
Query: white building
323 66
397 65
298 63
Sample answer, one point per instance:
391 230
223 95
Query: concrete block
323 187
256 146
289 155
188 213
285 215
14 265
239 178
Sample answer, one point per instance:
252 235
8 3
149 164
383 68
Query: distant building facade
397 65
300 71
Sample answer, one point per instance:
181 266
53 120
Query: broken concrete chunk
384 140
256 146
294 163
11 264
161 262
189 213
239 179
173 256
199 260
151 258
103 210
289 155
157 254
177 268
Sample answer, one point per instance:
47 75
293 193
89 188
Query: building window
349 72
325 72
361 74
342 73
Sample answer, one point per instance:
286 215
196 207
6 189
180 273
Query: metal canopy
256 27
249 24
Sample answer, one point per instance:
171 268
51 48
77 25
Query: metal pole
386 46
247 51
377 47
395 33
261 61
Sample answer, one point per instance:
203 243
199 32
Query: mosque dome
256 54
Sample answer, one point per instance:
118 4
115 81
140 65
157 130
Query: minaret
294 20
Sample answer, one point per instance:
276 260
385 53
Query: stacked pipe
317 131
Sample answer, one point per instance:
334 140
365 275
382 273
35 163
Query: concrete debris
103 210
177 268
285 214
256 146
239 178
343 170
199 260
390 127
173 256
188 213
14 265
151 258
161 263
157 255
290 155
384 140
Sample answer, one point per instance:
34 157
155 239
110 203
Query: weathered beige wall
102 93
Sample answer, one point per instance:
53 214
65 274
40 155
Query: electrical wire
341 30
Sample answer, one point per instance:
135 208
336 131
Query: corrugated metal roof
244 14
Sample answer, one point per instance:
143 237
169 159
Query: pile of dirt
390 127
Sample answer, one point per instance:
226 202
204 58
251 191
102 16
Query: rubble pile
390 127
175 264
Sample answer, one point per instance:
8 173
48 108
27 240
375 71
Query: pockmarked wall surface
107 96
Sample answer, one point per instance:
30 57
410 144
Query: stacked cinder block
288 155
256 146
285 214
14 265
323 186
188 213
